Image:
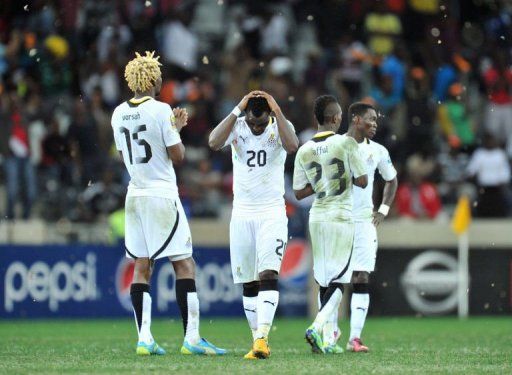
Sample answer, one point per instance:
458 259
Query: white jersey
328 162
258 169
375 157
143 129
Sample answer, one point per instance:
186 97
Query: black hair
321 104
358 109
258 105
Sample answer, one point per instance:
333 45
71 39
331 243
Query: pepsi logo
124 276
296 261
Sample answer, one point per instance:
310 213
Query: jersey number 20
140 142
259 157
337 176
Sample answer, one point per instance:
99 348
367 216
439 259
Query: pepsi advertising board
94 281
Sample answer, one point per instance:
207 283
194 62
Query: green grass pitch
398 346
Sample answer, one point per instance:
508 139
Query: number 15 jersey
328 162
143 129
258 169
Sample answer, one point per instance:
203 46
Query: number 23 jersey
143 129
258 169
328 162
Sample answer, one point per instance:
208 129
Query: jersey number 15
141 142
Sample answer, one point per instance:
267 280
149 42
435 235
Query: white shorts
332 250
256 244
155 228
365 247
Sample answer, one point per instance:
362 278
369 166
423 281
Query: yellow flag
461 216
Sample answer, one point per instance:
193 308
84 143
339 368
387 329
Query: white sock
267 301
327 311
330 329
250 308
145 327
359 309
192 332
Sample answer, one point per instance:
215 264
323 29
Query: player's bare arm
361 181
303 193
388 196
177 152
288 137
221 132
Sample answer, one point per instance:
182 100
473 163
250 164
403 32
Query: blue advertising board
94 281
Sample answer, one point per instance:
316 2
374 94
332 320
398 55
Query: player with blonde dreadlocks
147 135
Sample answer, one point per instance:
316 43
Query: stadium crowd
439 73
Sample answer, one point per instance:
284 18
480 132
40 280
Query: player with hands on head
258 231
147 135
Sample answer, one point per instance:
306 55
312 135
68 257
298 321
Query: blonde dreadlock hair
142 72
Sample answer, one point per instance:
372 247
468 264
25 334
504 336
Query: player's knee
251 289
268 275
185 268
360 277
142 270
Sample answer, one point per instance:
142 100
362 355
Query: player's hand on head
181 117
243 103
270 100
378 218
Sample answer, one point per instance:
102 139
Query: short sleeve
356 162
385 166
300 179
170 133
113 122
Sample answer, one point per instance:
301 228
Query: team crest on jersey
189 242
369 161
272 140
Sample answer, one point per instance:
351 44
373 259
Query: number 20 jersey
258 169
143 128
328 162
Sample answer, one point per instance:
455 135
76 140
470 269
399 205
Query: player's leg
188 302
365 251
330 331
359 308
169 233
186 297
330 303
332 248
271 237
250 301
141 302
139 291
244 269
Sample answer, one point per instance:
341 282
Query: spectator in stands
491 168
454 119
83 136
20 173
498 83
417 197
382 28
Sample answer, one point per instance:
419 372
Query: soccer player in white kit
146 133
363 126
259 227
327 166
